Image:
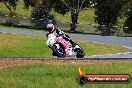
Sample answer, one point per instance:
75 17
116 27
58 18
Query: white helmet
50 27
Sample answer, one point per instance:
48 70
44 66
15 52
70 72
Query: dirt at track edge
11 62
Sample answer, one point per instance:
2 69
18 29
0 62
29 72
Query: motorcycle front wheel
59 50
80 53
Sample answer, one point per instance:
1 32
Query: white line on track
13 33
4 32
111 54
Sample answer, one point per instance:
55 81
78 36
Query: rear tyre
59 50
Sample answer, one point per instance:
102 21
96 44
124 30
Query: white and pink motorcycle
63 48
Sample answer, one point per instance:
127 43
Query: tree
41 12
41 8
125 7
11 5
62 7
41 16
74 6
128 22
107 12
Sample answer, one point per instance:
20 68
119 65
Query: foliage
60 7
107 12
28 3
125 7
33 3
39 12
74 6
9 3
128 22
41 15
64 6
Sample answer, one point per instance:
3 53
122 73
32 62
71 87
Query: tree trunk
74 18
12 13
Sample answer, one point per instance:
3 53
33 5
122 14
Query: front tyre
80 53
59 50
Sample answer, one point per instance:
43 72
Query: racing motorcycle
63 48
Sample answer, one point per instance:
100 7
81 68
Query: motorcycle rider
57 32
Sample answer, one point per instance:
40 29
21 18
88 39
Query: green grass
35 46
11 27
16 28
23 46
64 76
85 17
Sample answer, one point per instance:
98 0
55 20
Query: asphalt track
123 41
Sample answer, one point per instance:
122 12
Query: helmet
50 21
50 27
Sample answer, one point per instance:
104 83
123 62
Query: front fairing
51 39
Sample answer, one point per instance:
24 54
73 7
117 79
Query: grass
85 17
23 46
35 46
64 76
17 28
11 27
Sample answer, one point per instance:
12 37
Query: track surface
124 41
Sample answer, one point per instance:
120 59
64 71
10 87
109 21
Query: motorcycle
63 48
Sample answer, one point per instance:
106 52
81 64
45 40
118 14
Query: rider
53 29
